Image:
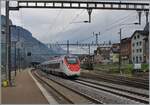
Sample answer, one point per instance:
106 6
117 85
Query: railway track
117 80
137 96
70 95
137 91
93 93
140 80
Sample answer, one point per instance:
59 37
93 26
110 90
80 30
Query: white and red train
67 65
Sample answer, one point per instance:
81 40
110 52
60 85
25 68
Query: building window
137 59
138 36
133 58
135 37
137 50
137 43
2 32
140 59
140 50
133 44
140 43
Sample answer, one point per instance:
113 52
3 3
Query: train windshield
72 60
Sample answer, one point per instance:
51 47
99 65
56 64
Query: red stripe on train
74 67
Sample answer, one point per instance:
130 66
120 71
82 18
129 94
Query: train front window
72 60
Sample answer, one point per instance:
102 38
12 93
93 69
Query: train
66 66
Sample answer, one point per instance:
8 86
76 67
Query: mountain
31 49
57 49
28 49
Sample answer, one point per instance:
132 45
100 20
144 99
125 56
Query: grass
127 69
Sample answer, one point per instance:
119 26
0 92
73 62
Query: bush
145 67
129 69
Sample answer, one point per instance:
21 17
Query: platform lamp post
14 44
120 38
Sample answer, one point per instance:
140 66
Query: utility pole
89 49
77 43
120 33
67 46
8 43
90 59
96 35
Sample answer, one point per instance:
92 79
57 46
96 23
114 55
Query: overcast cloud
51 25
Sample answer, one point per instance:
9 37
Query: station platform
24 91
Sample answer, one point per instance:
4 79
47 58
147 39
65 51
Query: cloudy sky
52 25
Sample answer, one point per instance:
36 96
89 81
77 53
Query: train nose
74 68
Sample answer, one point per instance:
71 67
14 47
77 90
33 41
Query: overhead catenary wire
73 19
54 21
112 28
122 19
64 28
118 21
113 25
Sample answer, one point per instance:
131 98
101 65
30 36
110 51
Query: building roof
142 32
115 50
126 39
115 43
